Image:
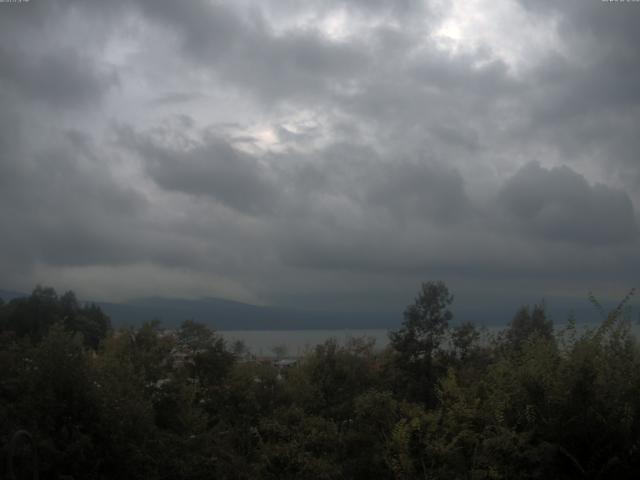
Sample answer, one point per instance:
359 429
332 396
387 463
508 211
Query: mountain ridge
224 314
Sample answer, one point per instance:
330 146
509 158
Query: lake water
297 342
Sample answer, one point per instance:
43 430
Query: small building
284 363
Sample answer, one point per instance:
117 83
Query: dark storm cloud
575 94
586 101
212 168
422 100
63 206
60 78
559 204
244 50
42 60
610 26
404 190
209 30
602 70
459 73
302 63
420 190
374 157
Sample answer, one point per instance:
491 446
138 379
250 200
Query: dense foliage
441 401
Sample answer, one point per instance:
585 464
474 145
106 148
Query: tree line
441 401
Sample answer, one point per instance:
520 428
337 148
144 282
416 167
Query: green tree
328 380
205 353
296 445
418 341
528 322
32 317
464 340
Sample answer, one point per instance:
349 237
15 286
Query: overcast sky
322 153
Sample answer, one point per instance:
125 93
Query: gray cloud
45 60
61 78
66 210
63 206
325 151
209 30
559 204
420 190
213 168
585 102
243 50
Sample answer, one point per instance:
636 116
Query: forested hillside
443 401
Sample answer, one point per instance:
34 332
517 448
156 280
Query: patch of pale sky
502 26
306 126
120 48
337 24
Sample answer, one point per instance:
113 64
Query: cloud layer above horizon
328 154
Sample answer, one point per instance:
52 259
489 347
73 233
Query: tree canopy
441 401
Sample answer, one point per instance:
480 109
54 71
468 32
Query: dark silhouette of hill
223 314
8 295
230 315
